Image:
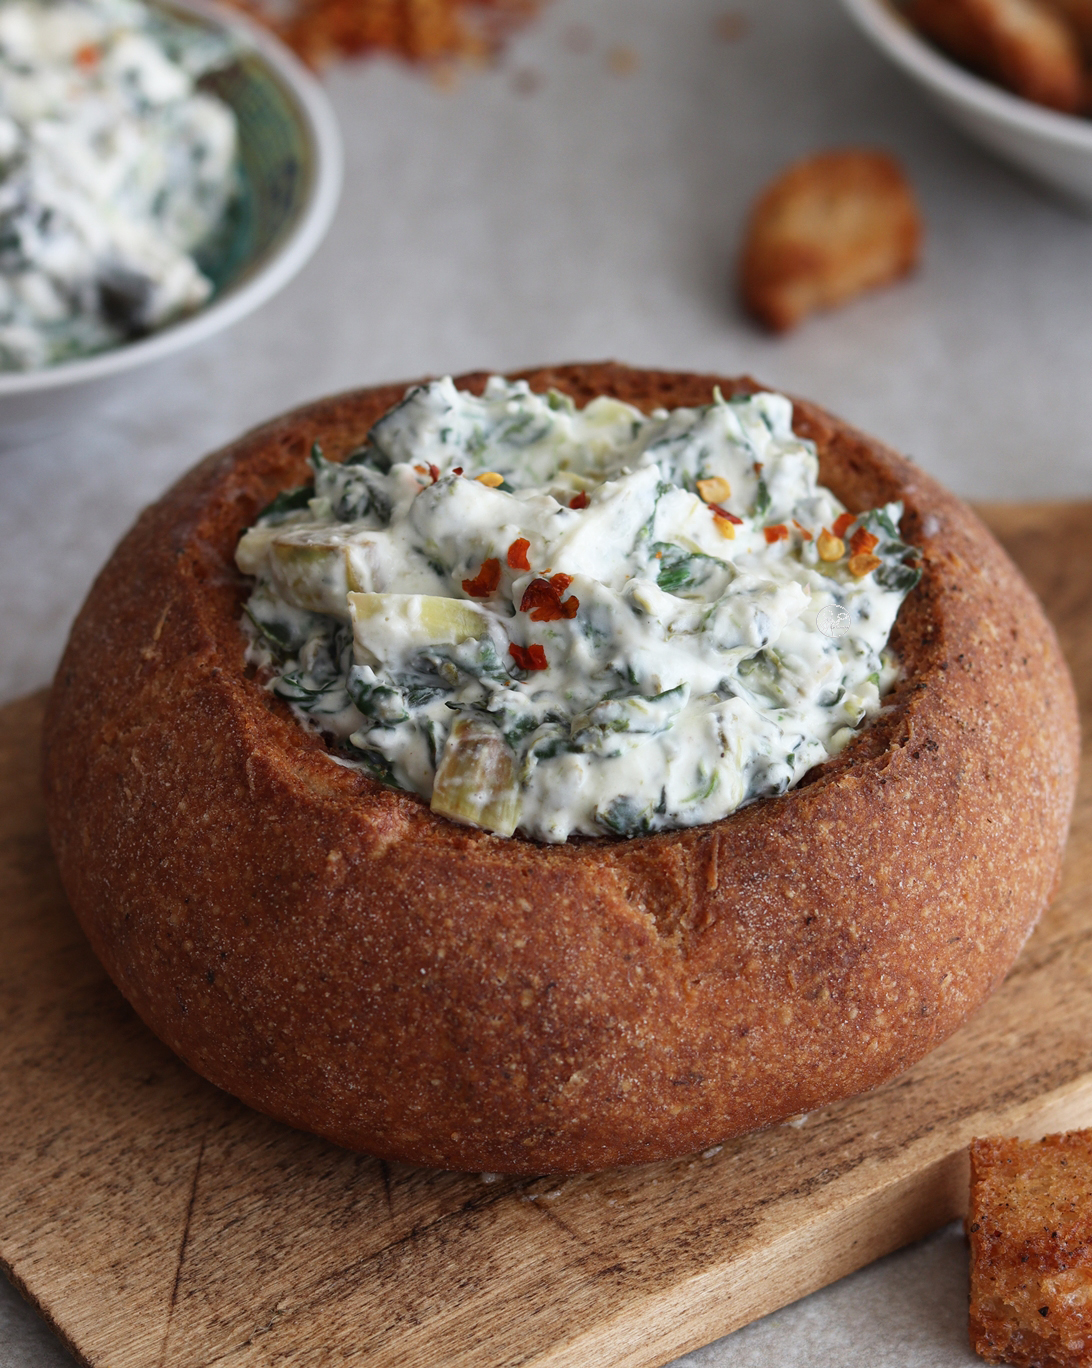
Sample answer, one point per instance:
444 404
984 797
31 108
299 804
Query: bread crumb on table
732 26
1030 1231
825 230
427 31
622 60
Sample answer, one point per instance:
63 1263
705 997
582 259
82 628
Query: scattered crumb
622 60
578 38
490 1177
445 75
797 1121
526 81
711 1153
542 1196
426 31
825 230
1030 1230
731 26
1078 15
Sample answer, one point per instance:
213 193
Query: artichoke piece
252 551
476 782
389 629
313 574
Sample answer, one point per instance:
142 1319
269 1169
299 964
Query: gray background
553 209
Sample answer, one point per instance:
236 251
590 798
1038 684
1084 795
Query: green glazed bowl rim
318 127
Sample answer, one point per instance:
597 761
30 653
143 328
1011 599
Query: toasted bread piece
1030 1227
825 230
1024 45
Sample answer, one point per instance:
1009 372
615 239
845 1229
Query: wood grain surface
155 1221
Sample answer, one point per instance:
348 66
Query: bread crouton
1030 1229
1024 45
1077 14
825 230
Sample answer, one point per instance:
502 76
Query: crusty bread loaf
342 958
1030 1229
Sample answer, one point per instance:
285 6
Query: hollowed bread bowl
339 957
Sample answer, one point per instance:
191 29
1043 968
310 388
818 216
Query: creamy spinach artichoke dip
555 621
114 169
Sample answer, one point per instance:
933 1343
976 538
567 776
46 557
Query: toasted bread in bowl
340 957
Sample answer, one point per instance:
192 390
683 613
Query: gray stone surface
551 210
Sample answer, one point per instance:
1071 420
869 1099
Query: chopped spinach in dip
114 168
554 621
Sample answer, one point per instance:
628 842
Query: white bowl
292 158
1054 148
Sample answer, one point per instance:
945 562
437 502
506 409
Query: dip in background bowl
290 180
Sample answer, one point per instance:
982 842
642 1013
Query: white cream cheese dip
554 621
114 169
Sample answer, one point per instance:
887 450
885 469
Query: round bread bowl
342 959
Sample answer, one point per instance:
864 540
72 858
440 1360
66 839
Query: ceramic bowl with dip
288 166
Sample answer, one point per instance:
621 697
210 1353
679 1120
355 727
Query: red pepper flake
486 580
864 564
531 657
542 599
841 523
719 512
87 56
457 471
778 532
434 471
862 542
517 554
808 536
581 500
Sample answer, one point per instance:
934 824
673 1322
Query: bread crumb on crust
1027 46
1030 1230
825 230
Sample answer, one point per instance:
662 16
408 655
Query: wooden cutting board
155 1221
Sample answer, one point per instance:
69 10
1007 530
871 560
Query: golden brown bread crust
1030 1230
341 958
